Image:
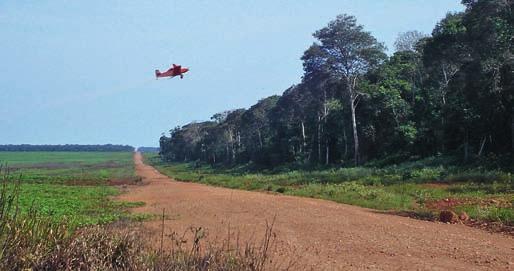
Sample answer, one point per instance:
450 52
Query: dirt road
321 235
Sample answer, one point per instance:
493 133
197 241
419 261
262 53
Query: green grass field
69 167
27 158
422 187
71 186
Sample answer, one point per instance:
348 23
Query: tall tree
444 54
490 37
350 52
290 119
255 128
388 104
408 41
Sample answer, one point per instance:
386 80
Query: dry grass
122 246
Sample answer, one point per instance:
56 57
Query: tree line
68 148
148 149
447 93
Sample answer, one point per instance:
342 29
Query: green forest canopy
447 93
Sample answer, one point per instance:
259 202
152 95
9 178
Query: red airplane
176 70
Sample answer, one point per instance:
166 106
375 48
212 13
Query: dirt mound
448 217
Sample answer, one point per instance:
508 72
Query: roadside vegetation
421 188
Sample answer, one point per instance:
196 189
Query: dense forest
68 147
448 93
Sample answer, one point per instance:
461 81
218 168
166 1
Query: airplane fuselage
172 72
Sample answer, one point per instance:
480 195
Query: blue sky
82 71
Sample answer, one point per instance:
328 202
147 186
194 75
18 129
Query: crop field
71 186
417 189
69 167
